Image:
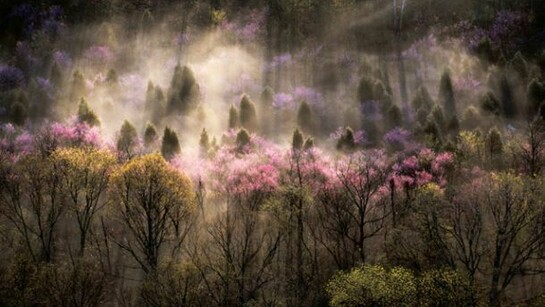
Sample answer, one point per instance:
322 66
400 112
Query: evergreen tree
304 118
170 145
453 125
346 141
365 90
78 87
127 140
520 65
184 91
446 93
422 99
393 118
112 77
56 76
150 135
471 118
233 117
494 143
297 140
422 116
18 113
438 116
155 103
431 130
541 62
490 104
535 95
309 143
267 96
379 90
507 98
242 140
204 142
248 114
85 114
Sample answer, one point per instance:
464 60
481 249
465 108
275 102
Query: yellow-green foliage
373 285
150 180
471 145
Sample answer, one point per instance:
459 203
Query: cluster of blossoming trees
257 223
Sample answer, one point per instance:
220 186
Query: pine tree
507 98
535 95
297 140
242 140
365 90
150 135
438 116
453 125
248 114
267 96
393 118
204 142
494 142
18 113
112 77
170 145
520 65
422 116
432 131
422 99
233 117
304 118
155 103
56 76
127 140
490 104
78 87
379 90
346 141
85 114
446 93
309 143
471 118
184 91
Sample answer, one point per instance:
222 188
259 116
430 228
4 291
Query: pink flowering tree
242 241
353 206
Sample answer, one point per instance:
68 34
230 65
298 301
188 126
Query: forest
272 153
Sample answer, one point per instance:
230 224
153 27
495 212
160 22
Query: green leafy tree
373 285
85 176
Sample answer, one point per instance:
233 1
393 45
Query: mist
272 153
